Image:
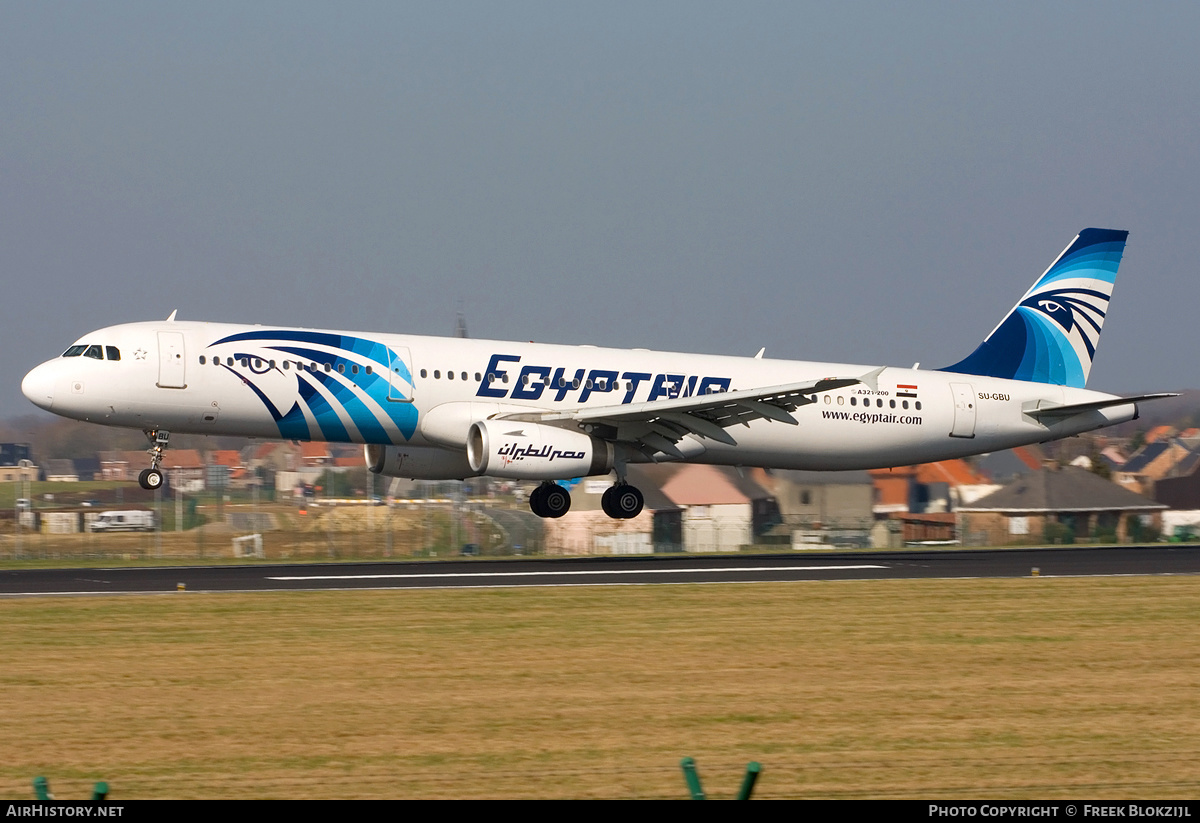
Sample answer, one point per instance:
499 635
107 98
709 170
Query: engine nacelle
531 451
418 462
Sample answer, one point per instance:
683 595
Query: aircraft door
172 364
400 376
964 410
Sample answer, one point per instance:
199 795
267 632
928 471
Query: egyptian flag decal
906 391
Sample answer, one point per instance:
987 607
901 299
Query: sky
859 182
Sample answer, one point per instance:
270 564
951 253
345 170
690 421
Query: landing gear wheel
150 479
536 505
557 500
622 502
550 500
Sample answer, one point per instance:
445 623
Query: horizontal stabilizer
1079 408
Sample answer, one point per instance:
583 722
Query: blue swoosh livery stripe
356 397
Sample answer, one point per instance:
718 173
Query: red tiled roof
954 472
311 449
1158 433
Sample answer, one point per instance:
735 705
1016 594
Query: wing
658 425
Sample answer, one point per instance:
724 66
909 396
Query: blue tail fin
1050 336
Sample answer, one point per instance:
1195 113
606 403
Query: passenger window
437 374
112 352
424 373
94 352
354 369
202 360
341 368
287 364
449 375
368 369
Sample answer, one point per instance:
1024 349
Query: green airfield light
41 789
752 771
692 778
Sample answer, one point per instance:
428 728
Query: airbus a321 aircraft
448 408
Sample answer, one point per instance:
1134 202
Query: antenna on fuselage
171 316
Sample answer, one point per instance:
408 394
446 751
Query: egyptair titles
533 382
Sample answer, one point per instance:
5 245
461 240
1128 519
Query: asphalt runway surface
592 571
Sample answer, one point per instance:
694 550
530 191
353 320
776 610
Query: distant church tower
460 325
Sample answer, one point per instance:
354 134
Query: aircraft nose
38 386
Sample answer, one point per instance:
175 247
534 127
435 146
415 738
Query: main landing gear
620 502
550 500
152 478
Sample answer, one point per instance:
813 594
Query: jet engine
531 451
418 462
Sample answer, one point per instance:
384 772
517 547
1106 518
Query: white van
127 521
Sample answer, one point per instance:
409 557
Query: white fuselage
425 392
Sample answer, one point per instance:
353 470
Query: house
722 510
928 487
61 471
1057 505
1151 462
840 500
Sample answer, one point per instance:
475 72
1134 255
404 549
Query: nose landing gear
152 478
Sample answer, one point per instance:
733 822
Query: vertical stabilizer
1051 335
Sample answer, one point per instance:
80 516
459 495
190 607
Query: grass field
1033 688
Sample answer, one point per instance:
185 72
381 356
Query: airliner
451 408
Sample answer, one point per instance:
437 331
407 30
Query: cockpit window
94 352
112 353
74 351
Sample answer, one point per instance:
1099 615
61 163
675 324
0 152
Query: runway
642 570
